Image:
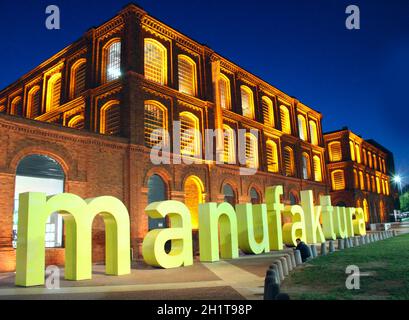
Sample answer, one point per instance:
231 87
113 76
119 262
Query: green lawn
387 263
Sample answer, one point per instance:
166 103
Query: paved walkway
220 280
229 280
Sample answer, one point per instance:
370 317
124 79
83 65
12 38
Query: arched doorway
39 173
254 196
293 199
381 211
193 197
341 204
366 210
229 195
156 192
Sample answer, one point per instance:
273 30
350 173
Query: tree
404 199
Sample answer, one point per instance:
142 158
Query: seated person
304 250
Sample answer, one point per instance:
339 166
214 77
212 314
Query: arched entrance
156 192
40 173
193 197
254 196
366 210
229 194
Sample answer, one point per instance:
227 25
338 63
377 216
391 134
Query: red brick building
82 121
360 174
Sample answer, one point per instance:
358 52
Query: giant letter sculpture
153 248
210 216
253 228
34 210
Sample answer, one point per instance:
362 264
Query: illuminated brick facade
92 106
360 174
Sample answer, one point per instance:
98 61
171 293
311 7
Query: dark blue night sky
355 78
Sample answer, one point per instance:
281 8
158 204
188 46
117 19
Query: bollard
356 241
280 270
351 243
271 288
340 244
324 249
395 233
313 250
274 268
331 246
368 239
362 239
272 291
285 266
292 255
381 236
346 243
289 263
298 259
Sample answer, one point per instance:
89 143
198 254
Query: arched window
317 168
338 180
229 145
288 159
375 164
387 187
361 180
352 150
187 75
335 151
189 135
155 61
378 185
306 166
34 103
193 197
356 181
272 156
302 127
358 153
384 165
2 108
112 60
17 106
251 151
156 193
77 122
370 159
314 132
365 157
229 195
78 78
110 123
39 173
285 119
373 184
254 196
155 122
292 198
225 92
247 102
53 92
368 182
268 111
